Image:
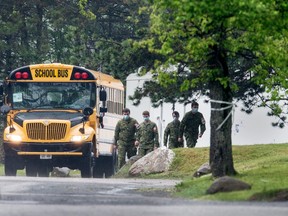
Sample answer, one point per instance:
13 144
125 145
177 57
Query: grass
19 172
265 167
73 173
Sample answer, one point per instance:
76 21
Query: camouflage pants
130 149
143 151
175 144
191 141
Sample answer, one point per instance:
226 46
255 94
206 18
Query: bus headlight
14 137
79 138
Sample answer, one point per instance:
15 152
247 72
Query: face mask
125 117
194 110
174 118
146 118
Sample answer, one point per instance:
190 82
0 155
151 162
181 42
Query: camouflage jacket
125 130
147 135
190 124
172 132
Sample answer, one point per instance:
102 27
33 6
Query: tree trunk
39 33
221 160
26 53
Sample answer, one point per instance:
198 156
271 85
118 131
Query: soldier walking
190 124
125 136
147 136
172 131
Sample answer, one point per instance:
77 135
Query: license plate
45 157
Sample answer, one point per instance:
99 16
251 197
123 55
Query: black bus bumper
52 154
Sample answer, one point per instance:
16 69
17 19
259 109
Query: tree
111 35
228 50
94 34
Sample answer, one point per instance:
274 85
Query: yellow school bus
60 115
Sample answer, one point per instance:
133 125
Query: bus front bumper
58 149
55 154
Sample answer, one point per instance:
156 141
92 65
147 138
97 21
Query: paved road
75 196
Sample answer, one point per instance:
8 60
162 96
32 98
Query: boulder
154 162
133 159
60 172
227 184
204 169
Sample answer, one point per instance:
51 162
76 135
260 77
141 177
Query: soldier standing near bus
172 131
190 124
147 136
124 137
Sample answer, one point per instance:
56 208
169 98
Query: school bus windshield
52 95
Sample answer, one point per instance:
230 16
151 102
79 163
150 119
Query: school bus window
113 102
122 98
118 101
52 95
109 100
112 94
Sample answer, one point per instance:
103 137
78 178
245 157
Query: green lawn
265 167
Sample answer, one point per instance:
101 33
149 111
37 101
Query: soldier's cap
146 113
126 110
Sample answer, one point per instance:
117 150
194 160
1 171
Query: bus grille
52 131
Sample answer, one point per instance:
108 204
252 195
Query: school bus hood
74 118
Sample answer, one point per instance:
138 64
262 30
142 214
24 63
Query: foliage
229 50
83 5
94 34
240 44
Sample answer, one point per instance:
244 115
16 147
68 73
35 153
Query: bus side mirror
87 111
103 95
103 109
101 121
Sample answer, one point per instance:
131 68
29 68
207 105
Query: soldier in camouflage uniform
124 137
147 135
190 124
172 132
